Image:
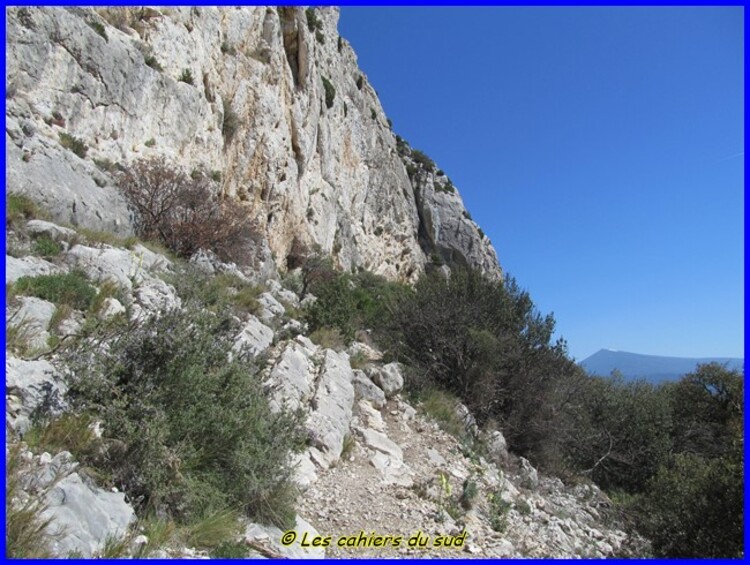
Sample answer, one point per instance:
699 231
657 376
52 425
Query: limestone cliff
271 99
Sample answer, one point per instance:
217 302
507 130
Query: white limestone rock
31 316
254 337
53 231
388 378
332 406
365 389
17 267
311 177
85 516
28 385
270 308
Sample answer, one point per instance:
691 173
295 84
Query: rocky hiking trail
374 465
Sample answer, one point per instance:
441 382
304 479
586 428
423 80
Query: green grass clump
328 337
498 511
186 76
45 246
441 407
70 288
20 208
26 534
68 432
151 61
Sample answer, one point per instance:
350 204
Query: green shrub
319 37
340 44
441 407
216 293
151 61
194 431
71 288
422 159
693 508
498 511
330 92
228 49
313 23
45 246
98 27
187 77
231 121
150 143
360 82
76 145
373 114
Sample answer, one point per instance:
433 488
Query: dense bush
693 505
72 289
188 429
185 213
621 431
348 302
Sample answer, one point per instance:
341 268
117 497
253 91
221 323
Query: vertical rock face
271 99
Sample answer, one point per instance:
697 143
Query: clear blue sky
601 149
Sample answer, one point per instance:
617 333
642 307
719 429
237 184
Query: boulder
378 441
283 294
529 475
388 378
290 379
365 389
53 231
269 537
83 517
497 447
254 338
31 317
270 308
16 267
111 307
332 405
29 385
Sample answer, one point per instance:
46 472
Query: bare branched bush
185 212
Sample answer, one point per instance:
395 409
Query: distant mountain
653 368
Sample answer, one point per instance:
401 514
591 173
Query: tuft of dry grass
26 530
